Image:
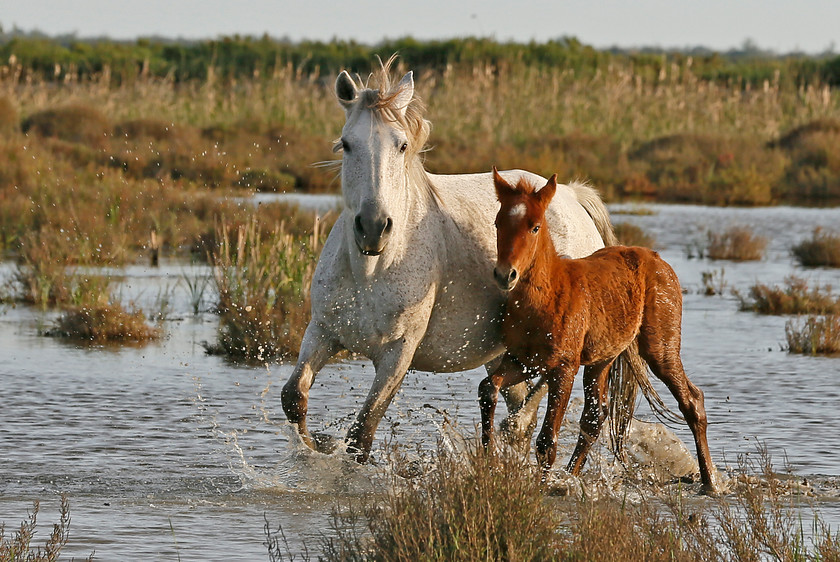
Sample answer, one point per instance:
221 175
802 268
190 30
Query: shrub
104 323
152 129
822 249
815 335
266 180
795 298
9 119
629 234
262 282
482 507
475 507
814 170
737 243
74 123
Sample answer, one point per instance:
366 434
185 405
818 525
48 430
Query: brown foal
563 313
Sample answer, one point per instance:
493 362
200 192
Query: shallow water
166 452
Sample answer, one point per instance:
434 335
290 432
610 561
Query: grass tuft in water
796 297
713 282
737 243
814 335
105 322
822 249
629 234
262 281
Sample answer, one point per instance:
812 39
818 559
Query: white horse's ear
405 91
345 89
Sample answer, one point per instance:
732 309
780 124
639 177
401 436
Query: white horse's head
381 169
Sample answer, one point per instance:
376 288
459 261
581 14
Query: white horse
405 277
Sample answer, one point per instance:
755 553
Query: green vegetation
796 297
262 281
822 249
814 335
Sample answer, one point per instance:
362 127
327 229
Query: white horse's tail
629 372
590 200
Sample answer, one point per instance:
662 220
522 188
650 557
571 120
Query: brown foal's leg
559 390
594 412
668 368
509 372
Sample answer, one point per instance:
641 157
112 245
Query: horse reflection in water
564 313
405 276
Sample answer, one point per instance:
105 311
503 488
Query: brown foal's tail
629 372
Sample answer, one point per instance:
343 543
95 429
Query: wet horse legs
315 350
560 382
669 369
594 412
509 372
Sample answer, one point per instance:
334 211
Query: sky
812 26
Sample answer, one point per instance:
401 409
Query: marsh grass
262 282
670 135
713 282
737 243
796 297
19 548
471 506
629 234
197 284
107 322
814 335
822 249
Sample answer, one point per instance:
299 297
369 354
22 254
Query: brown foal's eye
535 229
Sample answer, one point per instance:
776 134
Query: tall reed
262 281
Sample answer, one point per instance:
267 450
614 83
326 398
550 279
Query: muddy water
167 453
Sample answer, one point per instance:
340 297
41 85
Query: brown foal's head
518 224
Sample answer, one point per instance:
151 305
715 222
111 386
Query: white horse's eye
404 147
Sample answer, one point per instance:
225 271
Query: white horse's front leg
315 350
391 366
519 426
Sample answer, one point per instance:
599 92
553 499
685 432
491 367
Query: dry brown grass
629 234
107 322
9 118
737 243
78 123
822 249
19 547
492 507
814 335
796 297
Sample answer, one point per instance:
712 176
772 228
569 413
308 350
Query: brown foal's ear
503 188
547 192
